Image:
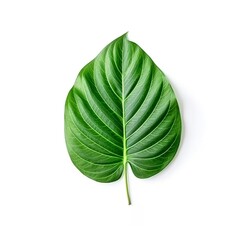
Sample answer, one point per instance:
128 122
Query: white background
43 45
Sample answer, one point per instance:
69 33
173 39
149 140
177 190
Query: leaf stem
126 183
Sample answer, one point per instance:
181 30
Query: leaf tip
125 35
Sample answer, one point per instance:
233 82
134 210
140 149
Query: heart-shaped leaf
121 110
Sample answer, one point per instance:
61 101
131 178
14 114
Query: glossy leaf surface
121 110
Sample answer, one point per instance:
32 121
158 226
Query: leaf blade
121 110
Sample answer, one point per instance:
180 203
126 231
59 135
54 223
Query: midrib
124 124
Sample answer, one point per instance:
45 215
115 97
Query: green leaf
121 110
